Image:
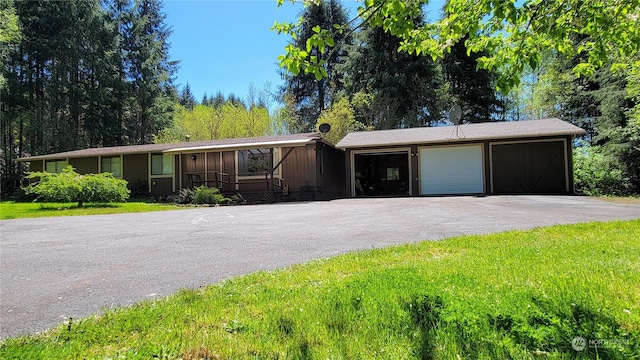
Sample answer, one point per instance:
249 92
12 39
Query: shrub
596 174
185 196
208 195
69 186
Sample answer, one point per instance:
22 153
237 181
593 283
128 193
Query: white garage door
451 170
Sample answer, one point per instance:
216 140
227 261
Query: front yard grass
17 210
519 295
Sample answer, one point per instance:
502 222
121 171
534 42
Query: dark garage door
529 168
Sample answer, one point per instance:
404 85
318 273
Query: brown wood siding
331 172
213 161
135 169
161 186
229 168
529 168
85 165
36 166
299 168
191 166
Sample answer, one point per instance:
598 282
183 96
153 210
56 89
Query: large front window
161 164
55 167
111 164
256 162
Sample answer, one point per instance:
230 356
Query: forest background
94 73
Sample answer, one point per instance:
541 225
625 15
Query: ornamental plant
209 195
69 186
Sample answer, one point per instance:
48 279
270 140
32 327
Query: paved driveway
55 268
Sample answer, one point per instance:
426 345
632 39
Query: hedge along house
525 157
296 166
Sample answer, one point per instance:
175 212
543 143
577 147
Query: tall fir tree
471 87
310 95
83 73
187 99
390 89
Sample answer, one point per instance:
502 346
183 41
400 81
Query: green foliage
69 186
185 196
316 83
514 295
342 120
513 34
390 89
206 122
85 73
10 35
596 173
209 195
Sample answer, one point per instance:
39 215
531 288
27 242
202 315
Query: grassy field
519 295
17 210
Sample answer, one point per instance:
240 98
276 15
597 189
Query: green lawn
519 295
17 210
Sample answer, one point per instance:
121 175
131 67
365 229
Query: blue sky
225 45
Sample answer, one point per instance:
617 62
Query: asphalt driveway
55 268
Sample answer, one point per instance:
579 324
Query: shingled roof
281 140
465 133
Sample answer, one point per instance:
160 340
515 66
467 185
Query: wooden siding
213 161
330 170
85 165
299 168
162 186
135 169
36 166
190 166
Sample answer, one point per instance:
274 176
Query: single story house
524 157
296 166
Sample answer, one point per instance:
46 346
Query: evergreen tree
473 88
218 100
312 96
390 89
150 73
84 73
187 99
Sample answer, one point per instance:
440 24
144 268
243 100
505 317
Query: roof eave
458 140
189 149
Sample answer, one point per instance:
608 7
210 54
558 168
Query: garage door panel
451 170
534 167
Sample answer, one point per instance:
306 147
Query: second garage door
451 170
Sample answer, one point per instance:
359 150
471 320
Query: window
55 167
111 164
393 173
161 164
255 162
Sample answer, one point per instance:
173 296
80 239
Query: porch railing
228 183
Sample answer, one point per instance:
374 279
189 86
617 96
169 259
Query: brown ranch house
525 157
268 168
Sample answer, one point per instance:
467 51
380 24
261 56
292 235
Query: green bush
69 186
596 173
209 195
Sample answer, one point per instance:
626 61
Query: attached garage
525 157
